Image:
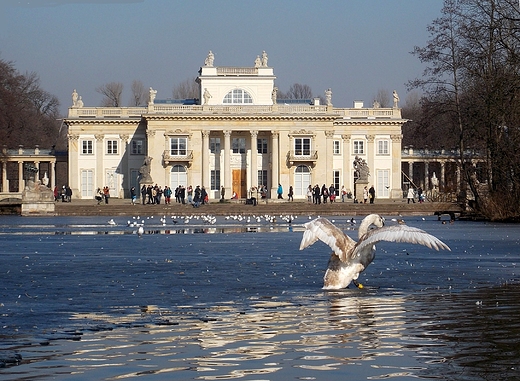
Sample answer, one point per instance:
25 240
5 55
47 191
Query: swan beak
357 284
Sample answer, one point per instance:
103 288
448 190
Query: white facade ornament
151 98
274 94
328 96
206 96
74 98
396 98
264 59
209 59
80 102
258 61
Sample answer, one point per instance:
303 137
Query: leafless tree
383 97
112 94
188 89
139 96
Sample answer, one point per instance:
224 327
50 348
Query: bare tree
383 98
112 94
298 91
188 89
138 94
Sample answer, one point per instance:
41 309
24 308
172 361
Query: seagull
112 222
349 258
140 231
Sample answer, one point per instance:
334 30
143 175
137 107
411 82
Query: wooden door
239 182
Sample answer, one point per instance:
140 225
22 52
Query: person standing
222 192
143 193
280 191
343 193
420 195
411 195
372 194
291 193
106 194
133 195
365 195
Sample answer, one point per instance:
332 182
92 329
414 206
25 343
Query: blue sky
355 47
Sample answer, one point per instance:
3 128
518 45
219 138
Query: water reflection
207 306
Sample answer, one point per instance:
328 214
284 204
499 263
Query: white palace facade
238 136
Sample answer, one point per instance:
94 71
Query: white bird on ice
349 258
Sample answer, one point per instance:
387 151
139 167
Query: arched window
178 176
238 96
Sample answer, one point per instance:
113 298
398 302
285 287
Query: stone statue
209 59
396 98
435 181
361 167
258 61
74 98
274 93
376 104
145 170
328 96
152 95
34 191
206 96
45 179
80 102
264 59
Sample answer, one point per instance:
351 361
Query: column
346 176
370 159
395 181
53 174
227 163
426 176
20 176
328 157
5 187
74 175
275 152
443 174
204 165
254 160
100 153
126 184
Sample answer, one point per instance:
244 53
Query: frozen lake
81 299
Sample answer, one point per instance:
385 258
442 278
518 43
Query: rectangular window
215 179
382 147
336 180
239 145
262 177
137 147
178 146
336 147
87 183
87 147
302 146
214 145
261 145
111 147
359 147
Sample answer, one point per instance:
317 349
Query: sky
354 47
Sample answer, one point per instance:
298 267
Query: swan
349 258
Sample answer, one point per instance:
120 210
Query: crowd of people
65 194
154 195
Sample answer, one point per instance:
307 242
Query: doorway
239 183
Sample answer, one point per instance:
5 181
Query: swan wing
323 230
399 233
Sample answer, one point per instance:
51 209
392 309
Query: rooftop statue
396 98
264 59
209 59
152 95
328 96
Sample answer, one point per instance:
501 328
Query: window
382 147
336 147
238 145
359 147
137 147
215 179
178 146
238 96
87 147
262 177
261 145
335 181
87 183
214 145
111 147
302 146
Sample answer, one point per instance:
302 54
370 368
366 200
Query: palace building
238 136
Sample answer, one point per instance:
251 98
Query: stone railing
167 157
178 109
293 158
237 70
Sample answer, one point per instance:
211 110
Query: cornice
225 117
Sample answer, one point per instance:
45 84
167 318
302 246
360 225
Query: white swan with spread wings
349 258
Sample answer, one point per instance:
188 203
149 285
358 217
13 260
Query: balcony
169 158
311 158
